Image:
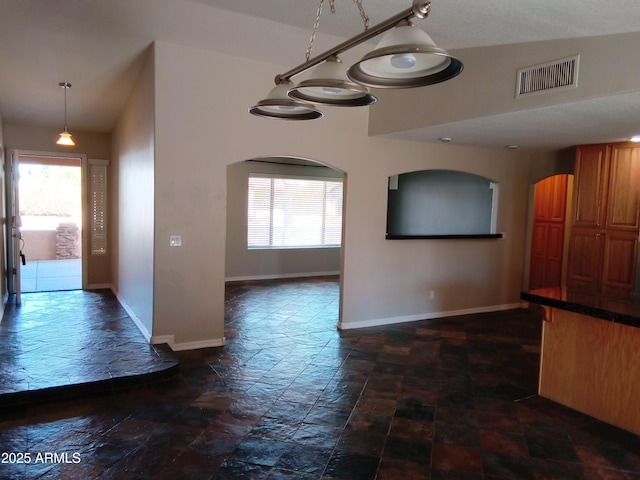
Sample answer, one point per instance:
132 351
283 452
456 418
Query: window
98 206
294 212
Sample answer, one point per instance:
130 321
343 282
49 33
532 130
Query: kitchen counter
590 355
624 310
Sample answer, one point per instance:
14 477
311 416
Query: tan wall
382 281
39 244
132 202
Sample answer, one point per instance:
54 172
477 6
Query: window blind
294 212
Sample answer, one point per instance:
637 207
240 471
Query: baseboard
99 286
214 342
376 322
281 276
138 323
160 339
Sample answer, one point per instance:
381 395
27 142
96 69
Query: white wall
203 125
242 263
132 202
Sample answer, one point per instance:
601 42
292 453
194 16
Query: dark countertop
625 310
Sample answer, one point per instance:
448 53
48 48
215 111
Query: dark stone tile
351 466
550 444
456 458
260 451
416 409
399 469
512 467
303 458
457 434
506 442
408 450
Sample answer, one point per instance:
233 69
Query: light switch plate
175 240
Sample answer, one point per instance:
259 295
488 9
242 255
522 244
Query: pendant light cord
65 88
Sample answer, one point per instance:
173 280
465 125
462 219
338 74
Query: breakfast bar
590 357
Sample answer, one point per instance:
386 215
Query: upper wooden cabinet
605 221
623 197
591 179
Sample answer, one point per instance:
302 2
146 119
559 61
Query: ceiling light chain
316 25
363 14
332 6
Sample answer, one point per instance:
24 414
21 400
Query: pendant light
405 57
279 105
329 85
65 137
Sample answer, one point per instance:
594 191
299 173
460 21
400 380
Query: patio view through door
50 222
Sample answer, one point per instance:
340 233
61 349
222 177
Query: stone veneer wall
67 241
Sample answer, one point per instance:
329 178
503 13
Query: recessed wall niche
441 204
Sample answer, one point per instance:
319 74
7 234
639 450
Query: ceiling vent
556 75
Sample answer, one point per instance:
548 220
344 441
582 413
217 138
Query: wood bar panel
592 366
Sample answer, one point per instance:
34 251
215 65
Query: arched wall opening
244 262
550 221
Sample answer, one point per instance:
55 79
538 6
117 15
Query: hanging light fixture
329 85
279 105
406 57
65 137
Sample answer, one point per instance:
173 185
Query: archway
299 256
551 213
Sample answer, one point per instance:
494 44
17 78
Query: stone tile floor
60 345
290 397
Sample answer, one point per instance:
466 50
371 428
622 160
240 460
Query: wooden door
548 232
591 177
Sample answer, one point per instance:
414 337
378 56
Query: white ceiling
98 46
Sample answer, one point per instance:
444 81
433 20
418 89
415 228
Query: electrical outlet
432 294
175 240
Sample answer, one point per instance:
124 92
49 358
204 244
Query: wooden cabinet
623 194
591 179
603 249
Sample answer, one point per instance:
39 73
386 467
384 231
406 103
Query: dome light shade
279 105
329 85
405 57
65 139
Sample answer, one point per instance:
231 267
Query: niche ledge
444 237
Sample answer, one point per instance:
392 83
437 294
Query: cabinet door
585 258
591 178
620 259
623 200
